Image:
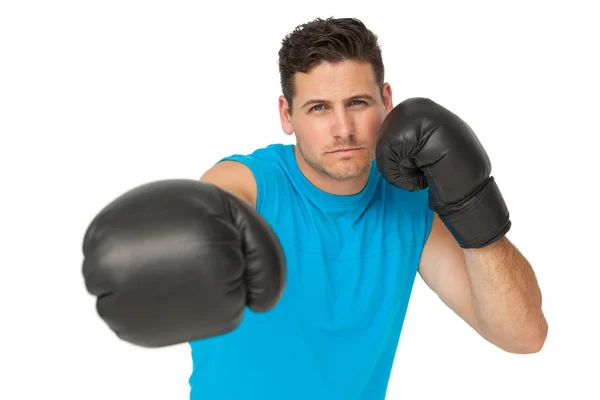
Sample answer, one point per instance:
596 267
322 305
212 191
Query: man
321 240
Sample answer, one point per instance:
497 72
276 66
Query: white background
98 97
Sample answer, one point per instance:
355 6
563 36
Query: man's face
336 116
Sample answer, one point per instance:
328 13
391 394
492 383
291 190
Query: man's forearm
506 297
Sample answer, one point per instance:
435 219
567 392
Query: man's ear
387 97
285 116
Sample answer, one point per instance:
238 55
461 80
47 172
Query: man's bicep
234 177
444 270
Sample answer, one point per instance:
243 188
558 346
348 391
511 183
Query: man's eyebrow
355 97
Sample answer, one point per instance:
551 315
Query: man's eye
321 107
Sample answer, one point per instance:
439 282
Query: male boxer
289 270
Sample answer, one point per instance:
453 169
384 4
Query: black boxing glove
178 260
424 145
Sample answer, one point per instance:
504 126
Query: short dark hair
331 40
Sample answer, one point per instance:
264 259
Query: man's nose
344 125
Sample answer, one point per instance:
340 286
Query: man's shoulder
248 174
270 157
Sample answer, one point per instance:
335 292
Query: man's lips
346 150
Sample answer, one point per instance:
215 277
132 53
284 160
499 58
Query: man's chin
344 170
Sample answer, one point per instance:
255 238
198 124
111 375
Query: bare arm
235 178
493 289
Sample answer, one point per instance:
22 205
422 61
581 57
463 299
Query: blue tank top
351 265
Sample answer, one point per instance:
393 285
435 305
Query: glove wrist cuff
479 220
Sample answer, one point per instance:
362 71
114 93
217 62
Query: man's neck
345 187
